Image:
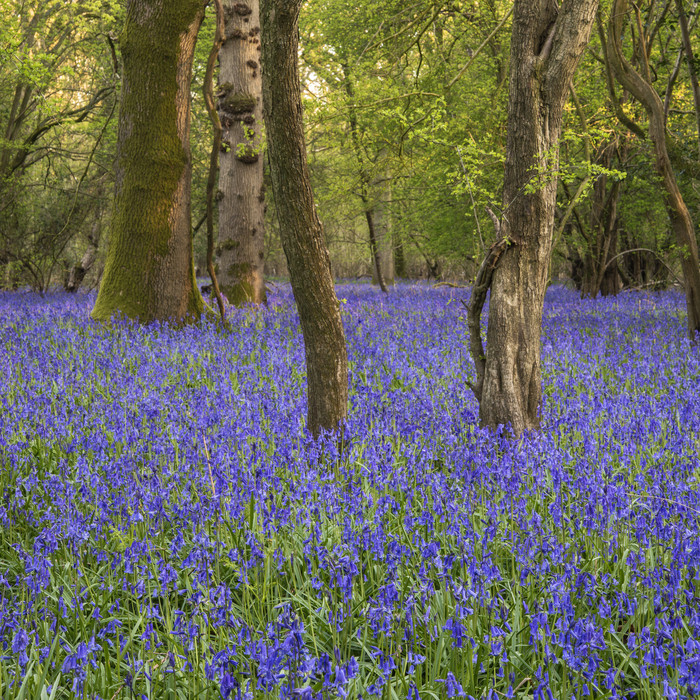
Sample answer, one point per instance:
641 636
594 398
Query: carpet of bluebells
168 529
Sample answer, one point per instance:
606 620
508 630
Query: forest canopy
405 124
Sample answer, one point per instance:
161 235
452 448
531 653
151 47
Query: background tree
149 273
546 45
641 87
421 137
302 234
58 83
241 189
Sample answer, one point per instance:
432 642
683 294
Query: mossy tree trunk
241 190
548 40
149 273
302 235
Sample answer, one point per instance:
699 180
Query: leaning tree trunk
302 234
149 274
547 43
241 191
681 221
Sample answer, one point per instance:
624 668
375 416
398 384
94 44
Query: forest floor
168 530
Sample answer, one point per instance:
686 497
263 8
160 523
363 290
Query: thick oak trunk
149 274
241 191
302 234
547 43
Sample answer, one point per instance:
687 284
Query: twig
468 64
471 195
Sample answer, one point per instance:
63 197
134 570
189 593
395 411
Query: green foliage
405 107
58 94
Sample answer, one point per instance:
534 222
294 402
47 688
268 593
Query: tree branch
208 91
76 115
482 284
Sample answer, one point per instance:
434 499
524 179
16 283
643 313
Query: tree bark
241 190
681 221
149 273
547 43
302 235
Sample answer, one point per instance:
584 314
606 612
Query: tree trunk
547 43
149 274
302 235
373 246
678 212
241 191
611 283
602 238
399 255
364 177
76 274
383 231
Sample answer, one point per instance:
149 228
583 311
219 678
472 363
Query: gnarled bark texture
547 43
302 234
149 274
241 191
681 221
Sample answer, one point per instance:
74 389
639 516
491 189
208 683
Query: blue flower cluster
168 529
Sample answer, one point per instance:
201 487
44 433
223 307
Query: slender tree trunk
602 244
383 230
547 43
149 274
364 178
399 255
373 245
302 234
681 221
241 191
76 274
611 283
